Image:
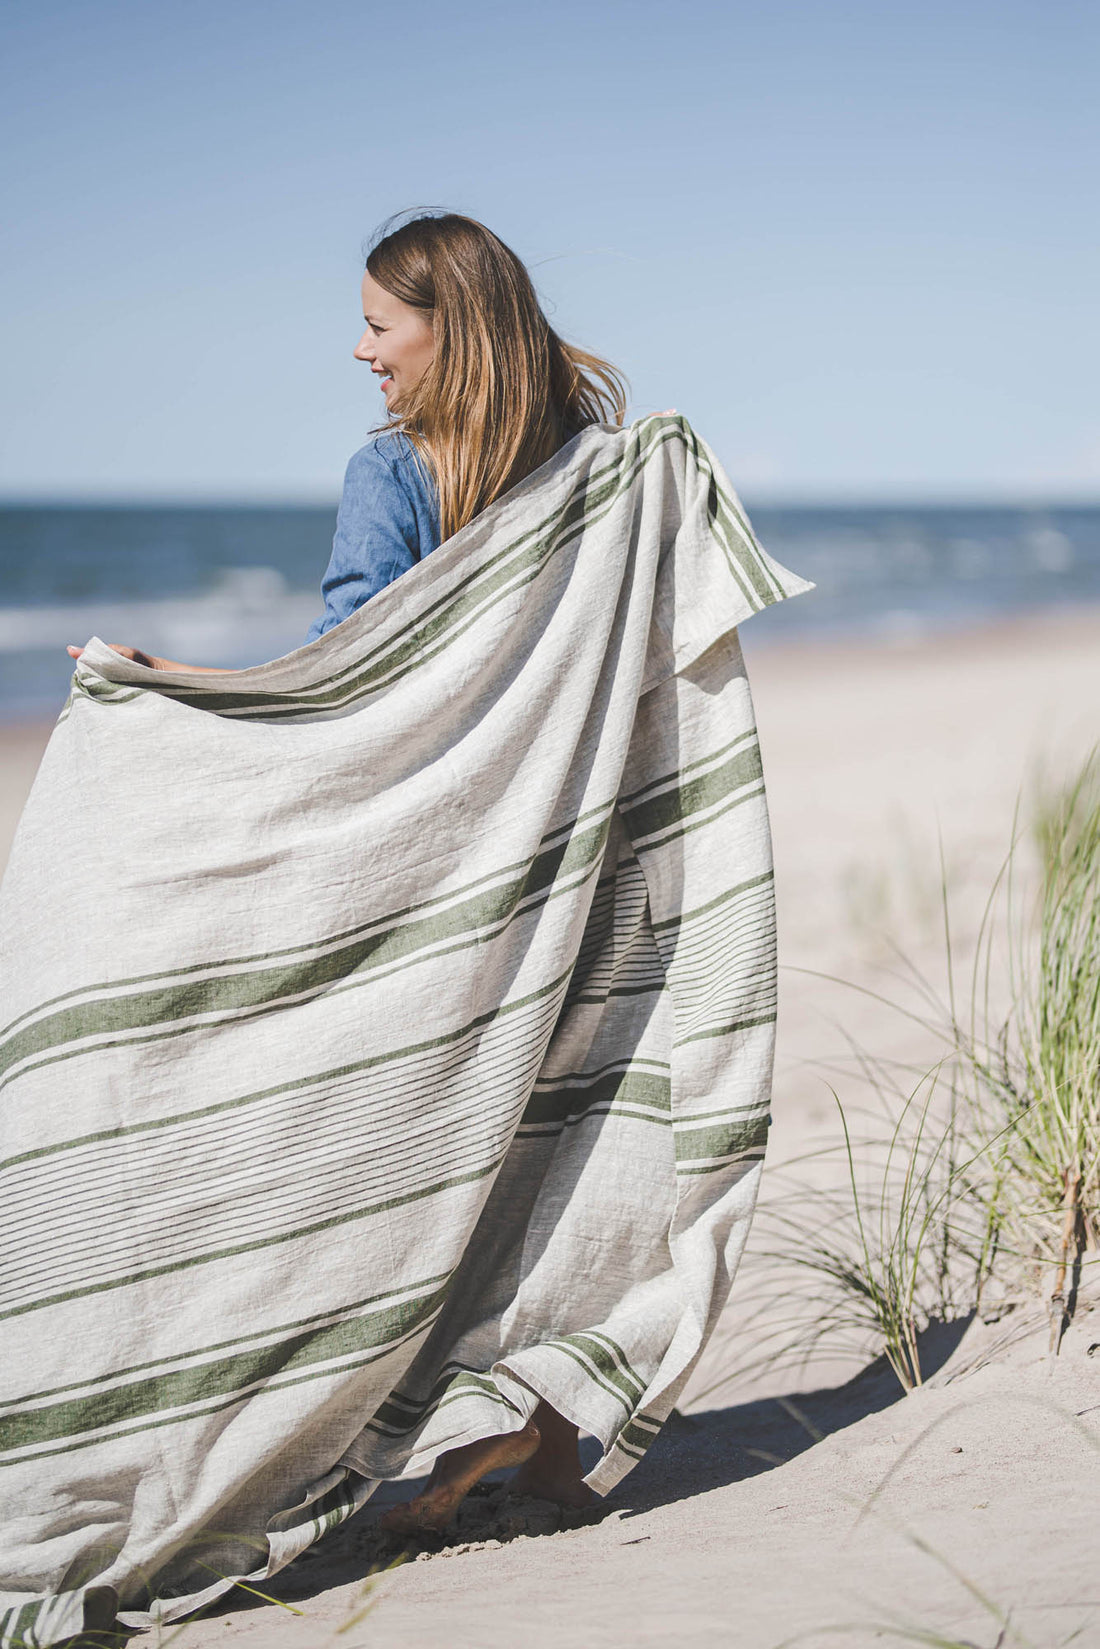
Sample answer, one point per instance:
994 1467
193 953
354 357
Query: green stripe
680 773
327 1513
554 1130
516 564
547 843
730 527
646 818
725 1139
634 1437
221 1377
625 1448
732 937
745 566
670 924
422 636
278 1331
594 1379
102 691
719 1113
612 1348
621 1383
401 1414
726 1029
606 914
629 1087
593 999
700 1008
756 1155
259 990
470 1391
217 1406
17 1625
688 827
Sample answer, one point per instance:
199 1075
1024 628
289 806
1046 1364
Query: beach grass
1033 1073
870 1264
985 1166
860 1260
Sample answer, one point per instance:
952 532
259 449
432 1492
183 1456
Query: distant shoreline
774 505
943 632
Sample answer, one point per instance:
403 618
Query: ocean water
235 586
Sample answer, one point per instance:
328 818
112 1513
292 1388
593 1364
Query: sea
238 585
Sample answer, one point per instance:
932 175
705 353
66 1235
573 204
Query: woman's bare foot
454 1475
554 1471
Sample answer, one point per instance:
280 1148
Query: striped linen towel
387 1040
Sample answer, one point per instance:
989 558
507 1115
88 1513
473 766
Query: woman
385 1085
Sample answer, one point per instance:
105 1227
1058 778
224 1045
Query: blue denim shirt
388 521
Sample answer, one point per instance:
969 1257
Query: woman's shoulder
388 456
386 480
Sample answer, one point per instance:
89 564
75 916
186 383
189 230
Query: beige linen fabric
387 1040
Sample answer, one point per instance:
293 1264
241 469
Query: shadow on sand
707 1450
694 1454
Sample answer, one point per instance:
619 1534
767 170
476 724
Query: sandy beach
823 1507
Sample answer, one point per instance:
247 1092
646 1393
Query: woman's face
398 344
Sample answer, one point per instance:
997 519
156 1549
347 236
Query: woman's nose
364 350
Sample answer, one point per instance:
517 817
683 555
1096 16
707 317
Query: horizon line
854 498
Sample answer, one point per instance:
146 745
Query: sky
855 244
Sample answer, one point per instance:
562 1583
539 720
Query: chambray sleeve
377 538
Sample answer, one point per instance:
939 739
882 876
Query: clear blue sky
855 243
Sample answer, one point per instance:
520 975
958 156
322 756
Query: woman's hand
152 663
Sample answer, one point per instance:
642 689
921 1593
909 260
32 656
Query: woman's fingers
120 647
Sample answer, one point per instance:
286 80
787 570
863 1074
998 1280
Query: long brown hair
503 391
